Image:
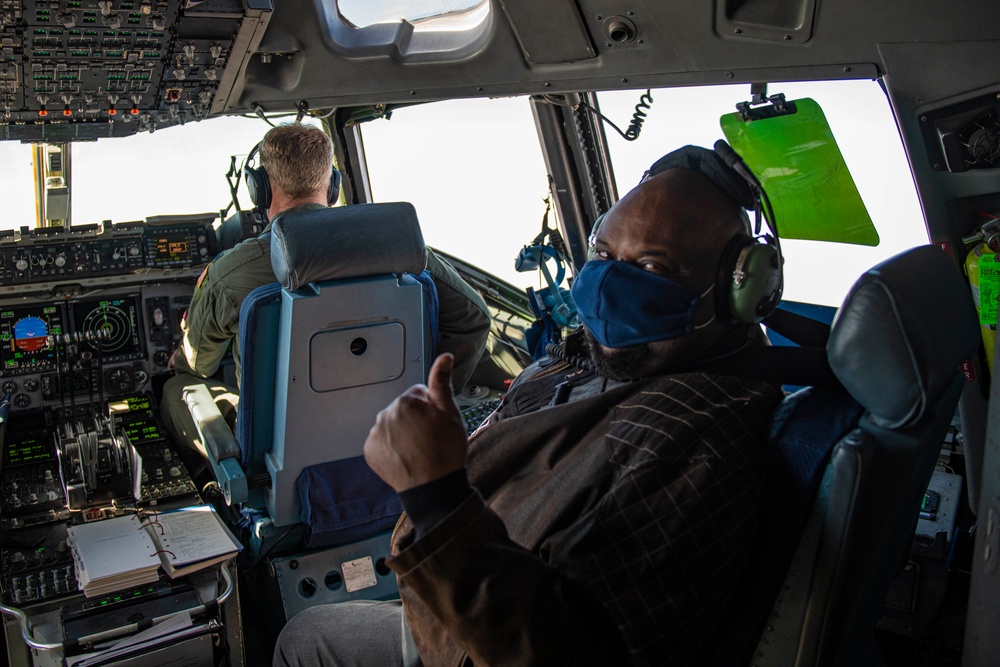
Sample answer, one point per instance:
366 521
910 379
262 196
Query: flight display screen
116 320
171 247
29 448
24 332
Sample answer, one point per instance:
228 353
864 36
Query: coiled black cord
638 116
558 350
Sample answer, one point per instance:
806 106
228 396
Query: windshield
474 171
172 171
862 123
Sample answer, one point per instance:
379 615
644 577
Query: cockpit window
363 13
862 122
173 171
474 172
16 185
408 30
189 175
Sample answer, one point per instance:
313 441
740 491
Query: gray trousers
358 633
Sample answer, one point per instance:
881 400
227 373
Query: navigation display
24 332
116 315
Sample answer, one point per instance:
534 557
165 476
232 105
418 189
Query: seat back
860 457
344 335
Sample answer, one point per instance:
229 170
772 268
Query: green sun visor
799 164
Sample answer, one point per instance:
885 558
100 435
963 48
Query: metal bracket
758 97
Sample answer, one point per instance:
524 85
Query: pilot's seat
346 330
849 466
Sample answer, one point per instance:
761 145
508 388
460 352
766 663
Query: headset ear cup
258 186
724 283
755 282
592 239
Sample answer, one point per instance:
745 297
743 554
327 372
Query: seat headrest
904 329
346 242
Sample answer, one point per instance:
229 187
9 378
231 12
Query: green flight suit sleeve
212 321
463 320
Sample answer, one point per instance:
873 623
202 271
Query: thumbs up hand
421 435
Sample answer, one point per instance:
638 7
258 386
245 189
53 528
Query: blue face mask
622 304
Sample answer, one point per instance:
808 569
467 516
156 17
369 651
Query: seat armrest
219 441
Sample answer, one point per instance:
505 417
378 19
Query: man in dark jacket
602 514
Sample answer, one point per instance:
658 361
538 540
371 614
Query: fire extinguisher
982 266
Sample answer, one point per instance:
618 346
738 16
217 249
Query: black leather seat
849 468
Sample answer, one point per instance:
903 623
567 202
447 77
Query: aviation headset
749 283
259 183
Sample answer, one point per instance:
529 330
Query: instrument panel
88 319
61 352
53 254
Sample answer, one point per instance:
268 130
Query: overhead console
87 69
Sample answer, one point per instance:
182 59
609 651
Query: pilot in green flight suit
299 161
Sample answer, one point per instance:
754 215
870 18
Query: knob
21 264
61 261
202 238
133 251
203 252
175 471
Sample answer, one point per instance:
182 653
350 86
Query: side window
474 172
859 115
17 187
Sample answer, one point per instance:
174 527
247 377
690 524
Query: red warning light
43 112
67 112
112 111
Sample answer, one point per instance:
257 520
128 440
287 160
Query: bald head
679 196
676 225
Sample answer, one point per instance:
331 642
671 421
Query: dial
119 380
22 400
30 384
9 387
30 333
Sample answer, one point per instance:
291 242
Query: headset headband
713 166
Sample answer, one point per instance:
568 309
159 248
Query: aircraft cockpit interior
477 148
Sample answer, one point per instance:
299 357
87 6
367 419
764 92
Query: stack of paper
128 551
112 554
191 539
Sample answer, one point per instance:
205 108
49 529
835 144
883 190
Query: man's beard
621 363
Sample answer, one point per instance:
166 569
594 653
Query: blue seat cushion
345 501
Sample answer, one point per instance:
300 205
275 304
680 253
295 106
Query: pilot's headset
259 183
749 283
